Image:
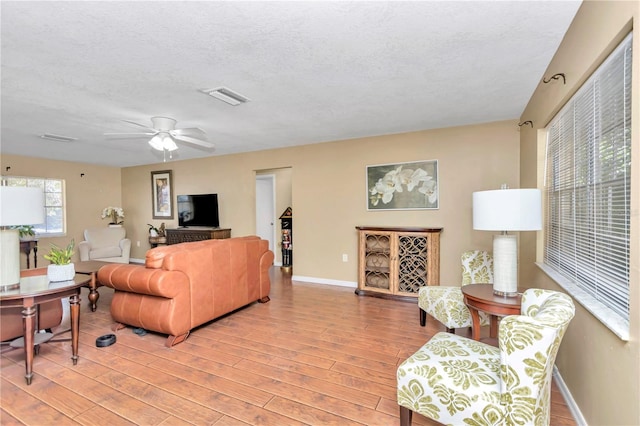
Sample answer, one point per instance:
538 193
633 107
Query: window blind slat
588 186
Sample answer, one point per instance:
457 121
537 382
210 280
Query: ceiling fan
164 134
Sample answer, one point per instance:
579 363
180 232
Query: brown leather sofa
185 285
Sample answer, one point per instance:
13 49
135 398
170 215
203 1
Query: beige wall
327 192
601 371
86 195
329 195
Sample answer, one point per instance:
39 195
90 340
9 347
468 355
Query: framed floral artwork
403 186
162 194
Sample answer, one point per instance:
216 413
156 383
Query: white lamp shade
21 206
507 210
18 206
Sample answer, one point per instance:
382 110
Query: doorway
273 197
265 208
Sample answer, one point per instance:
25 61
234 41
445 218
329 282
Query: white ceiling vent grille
58 138
226 95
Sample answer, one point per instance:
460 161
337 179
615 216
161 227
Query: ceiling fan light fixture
226 95
168 143
156 143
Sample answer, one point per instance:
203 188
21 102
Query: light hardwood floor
314 355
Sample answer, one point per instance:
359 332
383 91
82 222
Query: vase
61 272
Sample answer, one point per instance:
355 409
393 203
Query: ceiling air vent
58 138
226 95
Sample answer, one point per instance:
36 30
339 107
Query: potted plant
156 235
25 232
61 268
153 231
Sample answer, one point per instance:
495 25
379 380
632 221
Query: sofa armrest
266 260
84 247
138 279
125 246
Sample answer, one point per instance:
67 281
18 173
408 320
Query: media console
185 235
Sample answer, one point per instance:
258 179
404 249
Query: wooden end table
480 297
27 246
90 267
33 291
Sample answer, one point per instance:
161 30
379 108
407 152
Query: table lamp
507 210
18 206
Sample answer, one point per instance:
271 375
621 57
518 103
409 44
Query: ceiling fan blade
141 125
193 132
195 141
129 135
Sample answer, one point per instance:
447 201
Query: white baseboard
325 281
571 403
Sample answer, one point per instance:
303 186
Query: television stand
186 235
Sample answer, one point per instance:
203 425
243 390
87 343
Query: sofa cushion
104 237
101 252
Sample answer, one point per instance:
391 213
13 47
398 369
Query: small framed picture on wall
162 194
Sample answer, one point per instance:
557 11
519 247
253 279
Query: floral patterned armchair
455 380
446 304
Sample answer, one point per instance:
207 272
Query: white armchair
105 244
446 303
459 381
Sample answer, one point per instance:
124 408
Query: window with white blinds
54 202
588 185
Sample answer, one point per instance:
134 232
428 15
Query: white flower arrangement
115 214
412 179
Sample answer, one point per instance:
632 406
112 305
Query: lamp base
505 265
505 293
9 259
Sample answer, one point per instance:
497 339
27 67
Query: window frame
44 183
611 316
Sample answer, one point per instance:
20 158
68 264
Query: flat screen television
198 210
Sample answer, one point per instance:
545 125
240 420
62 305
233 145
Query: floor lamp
507 210
18 206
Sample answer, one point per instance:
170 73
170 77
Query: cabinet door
377 262
413 252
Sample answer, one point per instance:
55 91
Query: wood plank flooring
314 355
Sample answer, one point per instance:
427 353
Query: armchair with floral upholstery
446 303
456 380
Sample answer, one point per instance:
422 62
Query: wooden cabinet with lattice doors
397 261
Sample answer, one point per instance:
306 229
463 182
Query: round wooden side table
480 297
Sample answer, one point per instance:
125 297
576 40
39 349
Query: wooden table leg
28 328
93 292
475 319
493 328
74 301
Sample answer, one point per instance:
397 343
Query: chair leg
405 416
423 317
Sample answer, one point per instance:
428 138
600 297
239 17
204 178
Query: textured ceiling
314 71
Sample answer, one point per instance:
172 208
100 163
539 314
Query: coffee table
90 267
35 290
480 297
